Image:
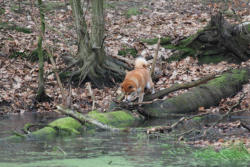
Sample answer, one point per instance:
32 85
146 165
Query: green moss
46 133
61 127
182 53
169 46
182 49
236 152
14 7
2 11
64 75
132 12
164 41
238 76
8 26
51 6
109 5
206 59
186 41
16 54
22 29
197 119
131 51
116 118
33 56
248 27
67 123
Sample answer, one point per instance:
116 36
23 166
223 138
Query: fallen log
61 127
205 95
76 123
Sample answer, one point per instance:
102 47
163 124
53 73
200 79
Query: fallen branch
173 88
152 71
125 60
161 129
244 125
91 94
63 92
83 119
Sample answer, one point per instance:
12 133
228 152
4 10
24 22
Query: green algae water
105 149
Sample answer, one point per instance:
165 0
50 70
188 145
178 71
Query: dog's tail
141 62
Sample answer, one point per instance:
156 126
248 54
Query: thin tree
41 95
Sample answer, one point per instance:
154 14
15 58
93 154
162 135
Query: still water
100 149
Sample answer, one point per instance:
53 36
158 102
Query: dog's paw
153 91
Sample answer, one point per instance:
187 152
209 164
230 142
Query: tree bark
94 65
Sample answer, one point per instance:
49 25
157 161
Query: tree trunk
205 95
41 95
94 64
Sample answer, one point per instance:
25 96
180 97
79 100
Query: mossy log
69 126
205 95
115 121
61 127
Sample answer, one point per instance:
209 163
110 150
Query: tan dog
137 80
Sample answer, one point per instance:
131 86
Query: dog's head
129 89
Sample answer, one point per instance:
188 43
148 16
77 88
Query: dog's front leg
141 94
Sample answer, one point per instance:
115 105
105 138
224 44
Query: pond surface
100 149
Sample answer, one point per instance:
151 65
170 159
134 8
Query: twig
60 149
91 94
244 125
128 105
68 97
125 60
176 87
186 132
225 115
63 92
165 128
152 71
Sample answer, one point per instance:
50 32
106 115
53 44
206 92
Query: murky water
100 149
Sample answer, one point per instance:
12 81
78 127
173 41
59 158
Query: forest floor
127 24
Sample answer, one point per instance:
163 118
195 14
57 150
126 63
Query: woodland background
128 26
